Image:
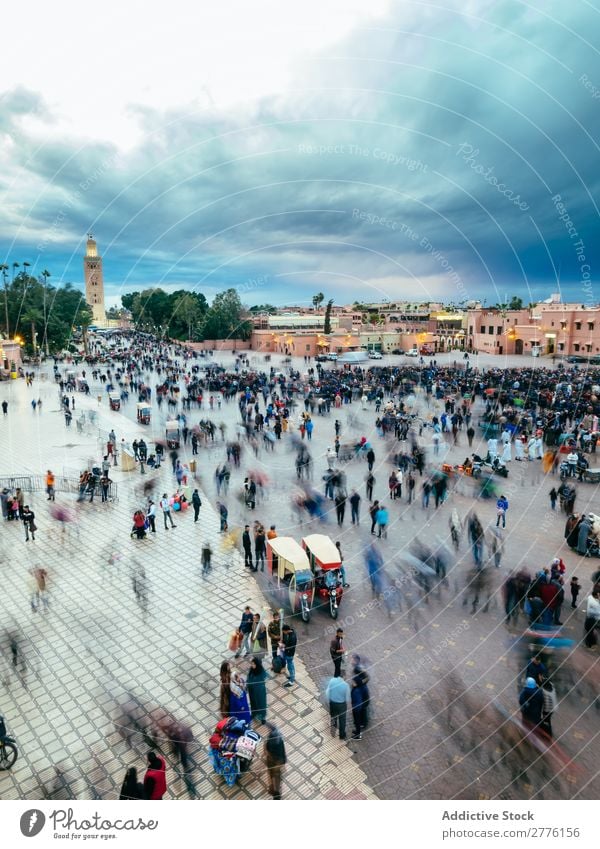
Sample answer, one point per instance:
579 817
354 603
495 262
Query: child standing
575 587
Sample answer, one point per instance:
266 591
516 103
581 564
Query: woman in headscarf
257 689
360 697
225 692
238 699
583 534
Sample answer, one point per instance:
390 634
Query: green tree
515 303
318 300
225 319
187 314
327 325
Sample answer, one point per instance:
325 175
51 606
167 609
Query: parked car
375 355
353 357
412 352
322 358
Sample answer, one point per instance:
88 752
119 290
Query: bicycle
8 748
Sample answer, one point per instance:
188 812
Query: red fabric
160 779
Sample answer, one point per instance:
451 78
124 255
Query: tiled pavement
95 644
413 749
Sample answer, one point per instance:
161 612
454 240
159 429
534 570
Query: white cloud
94 62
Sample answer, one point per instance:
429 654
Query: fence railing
37 483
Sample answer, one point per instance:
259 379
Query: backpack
277 665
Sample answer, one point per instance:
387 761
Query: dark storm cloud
436 141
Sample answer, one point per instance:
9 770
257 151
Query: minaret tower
94 280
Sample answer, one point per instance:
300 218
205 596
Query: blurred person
257 689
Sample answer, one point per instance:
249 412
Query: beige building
94 281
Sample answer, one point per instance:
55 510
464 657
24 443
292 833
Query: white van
353 358
412 352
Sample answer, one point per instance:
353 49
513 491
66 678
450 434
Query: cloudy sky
415 150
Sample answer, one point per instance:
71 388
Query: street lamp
4 270
45 274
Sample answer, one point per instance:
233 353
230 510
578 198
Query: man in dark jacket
29 523
531 701
275 759
290 641
247 545
245 630
337 651
274 631
196 504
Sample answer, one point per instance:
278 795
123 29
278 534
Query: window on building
588 347
308 347
471 329
552 324
491 330
590 325
563 325
577 325
575 347
561 346
498 331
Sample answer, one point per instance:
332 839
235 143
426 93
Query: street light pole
45 274
4 270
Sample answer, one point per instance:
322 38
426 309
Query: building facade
94 281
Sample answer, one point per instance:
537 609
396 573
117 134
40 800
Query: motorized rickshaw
114 399
326 565
172 434
143 413
290 575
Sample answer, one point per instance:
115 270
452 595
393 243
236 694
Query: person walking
370 483
155 779
337 694
196 504
411 487
257 689
553 498
165 506
245 629
289 643
355 507
337 650
373 510
247 546
370 459
359 697
105 483
340 507
29 523
502 507
5 408
275 760
206 557
426 490
39 589
470 435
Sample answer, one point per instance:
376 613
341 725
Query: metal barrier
37 483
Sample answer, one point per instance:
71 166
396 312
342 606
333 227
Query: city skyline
393 154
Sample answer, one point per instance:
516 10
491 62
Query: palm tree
318 300
32 316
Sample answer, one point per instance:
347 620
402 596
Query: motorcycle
8 748
496 465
